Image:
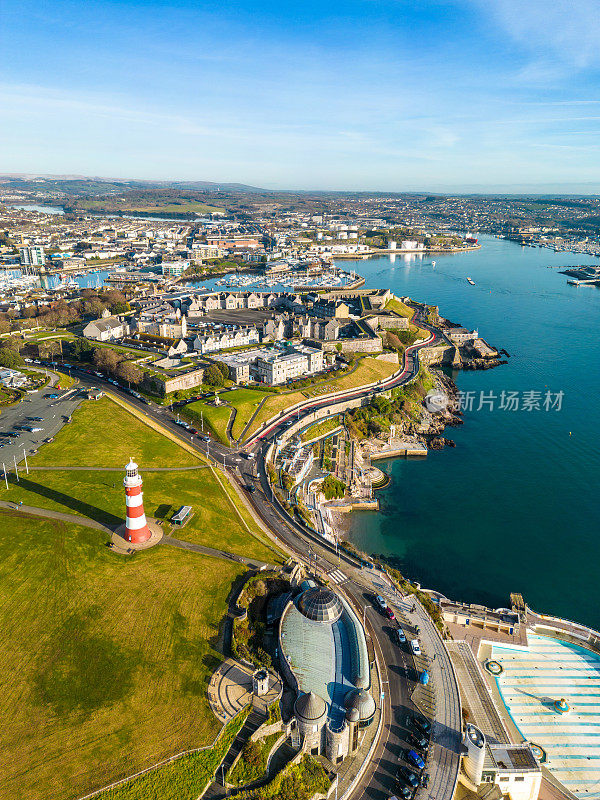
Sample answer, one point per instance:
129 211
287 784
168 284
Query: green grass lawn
215 418
103 434
106 659
321 428
100 496
253 762
185 777
368 371
246 402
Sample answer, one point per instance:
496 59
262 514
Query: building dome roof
321 605
361 701
310 707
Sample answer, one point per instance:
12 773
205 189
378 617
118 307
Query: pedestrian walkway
337 576
252 724
230 689
211 551
475 694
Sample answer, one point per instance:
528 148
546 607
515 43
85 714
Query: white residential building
221 340
32 256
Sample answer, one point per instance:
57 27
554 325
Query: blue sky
365 94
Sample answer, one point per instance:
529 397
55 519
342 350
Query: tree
10 358
106 359
223 370
128 372
81 349
332 488
213 376
12 343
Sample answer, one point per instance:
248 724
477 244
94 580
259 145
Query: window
519 778
504 778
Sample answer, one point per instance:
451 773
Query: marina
291 280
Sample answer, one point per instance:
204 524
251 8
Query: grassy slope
105 659
103 434
368 371
246 402
216 418
321 428
406 311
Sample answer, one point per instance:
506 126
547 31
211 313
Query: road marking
337 576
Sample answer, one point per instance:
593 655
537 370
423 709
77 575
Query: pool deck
533 679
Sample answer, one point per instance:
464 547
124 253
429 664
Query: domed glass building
320 605
324 657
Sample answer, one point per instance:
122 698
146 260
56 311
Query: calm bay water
515 506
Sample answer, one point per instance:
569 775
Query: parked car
415 647
399 636
404 792
421 724
415 759
419 741
380 602
390 614
408 776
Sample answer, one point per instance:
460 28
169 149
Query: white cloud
567 31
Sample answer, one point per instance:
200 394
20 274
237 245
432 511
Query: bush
333 488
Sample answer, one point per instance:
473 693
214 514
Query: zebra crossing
337 576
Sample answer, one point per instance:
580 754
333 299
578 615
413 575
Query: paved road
397 664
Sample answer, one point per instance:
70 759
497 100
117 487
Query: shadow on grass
84 509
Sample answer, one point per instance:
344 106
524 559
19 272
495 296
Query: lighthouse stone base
121 545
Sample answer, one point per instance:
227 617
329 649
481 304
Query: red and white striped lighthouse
136 527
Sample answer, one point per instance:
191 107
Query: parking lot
54 413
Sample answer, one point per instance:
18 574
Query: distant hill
76 183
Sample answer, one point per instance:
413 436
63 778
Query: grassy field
215 418
105 659
368 371
246 402
103 434
99 495
321 428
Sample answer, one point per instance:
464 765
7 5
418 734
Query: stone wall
361 345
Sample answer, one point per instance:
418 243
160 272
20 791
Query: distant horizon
540 190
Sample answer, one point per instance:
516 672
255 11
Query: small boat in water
472 282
